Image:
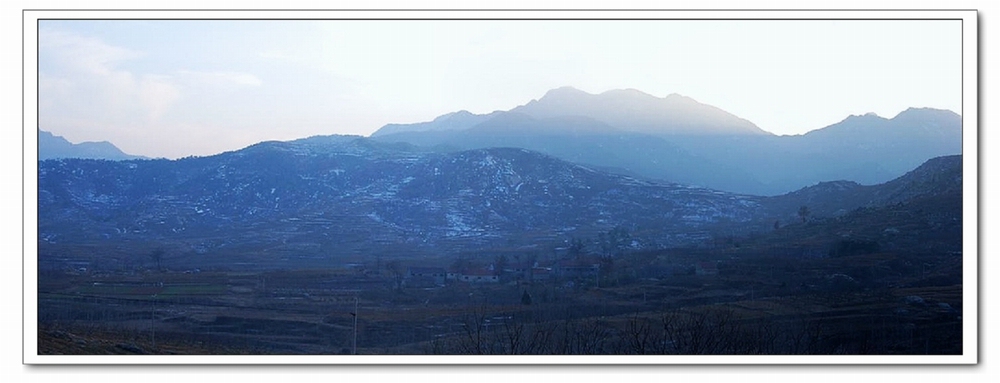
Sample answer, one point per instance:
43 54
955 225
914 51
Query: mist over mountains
526 178
677 139
574 224
672 139
634 111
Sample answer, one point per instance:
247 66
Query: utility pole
152 320
355 313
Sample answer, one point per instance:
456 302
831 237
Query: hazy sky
176 88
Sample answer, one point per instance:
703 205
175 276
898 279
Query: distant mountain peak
51 146
925 109
563 91
459 114
924 118
678 96
925 113
454 121
629 110
566 95
640 112
868 116
855 121
569 93
628 92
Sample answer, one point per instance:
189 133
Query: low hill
328 196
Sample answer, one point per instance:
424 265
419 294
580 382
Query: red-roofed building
426 276
479 276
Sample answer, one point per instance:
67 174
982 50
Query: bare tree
157 257
804 213
473 333
396 272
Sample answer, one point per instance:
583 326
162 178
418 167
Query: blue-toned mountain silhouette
355 196
51 146
678 139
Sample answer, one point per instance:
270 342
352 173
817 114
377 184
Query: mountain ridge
867 149
328 196
637 111
350 197
51 146
936 176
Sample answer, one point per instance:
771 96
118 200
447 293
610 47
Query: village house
479 276
520 271
577 268
426 276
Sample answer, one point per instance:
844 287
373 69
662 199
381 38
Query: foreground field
868 304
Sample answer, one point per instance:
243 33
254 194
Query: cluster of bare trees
511 335
716 332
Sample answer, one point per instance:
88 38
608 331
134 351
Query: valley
575 224
533 255
651 303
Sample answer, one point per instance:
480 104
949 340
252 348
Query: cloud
84 77
94 91
71 53
222 78
157 94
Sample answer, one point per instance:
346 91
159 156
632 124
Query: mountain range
331 196
51 146
343 194
670 171
673 139
677 139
